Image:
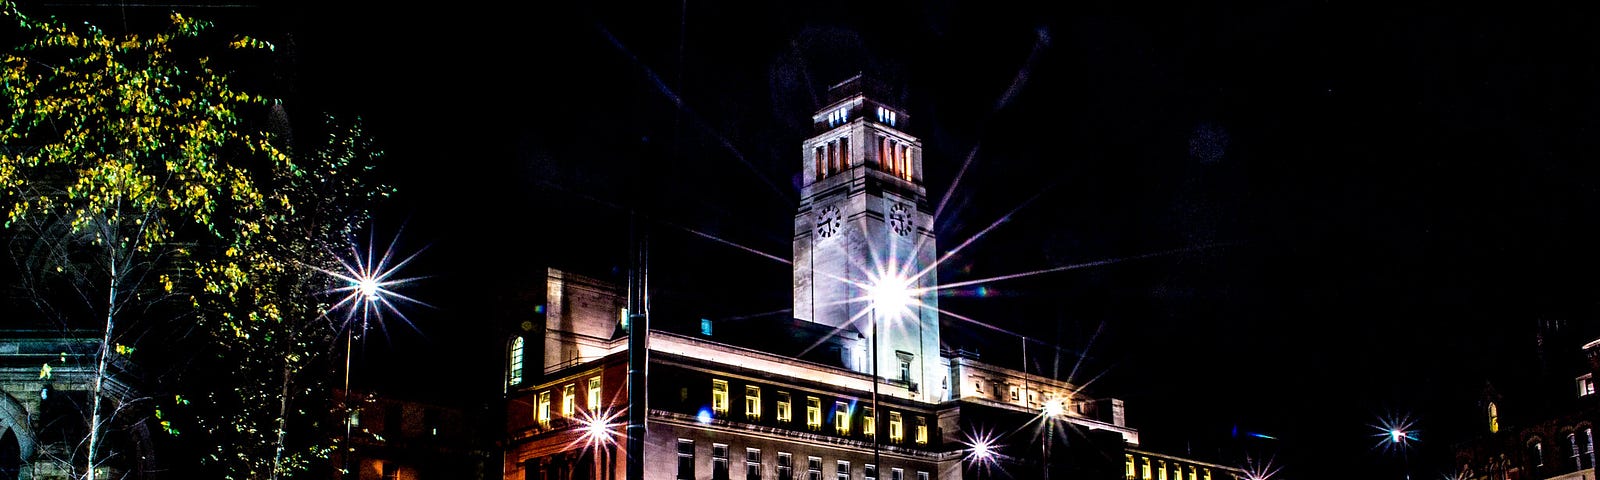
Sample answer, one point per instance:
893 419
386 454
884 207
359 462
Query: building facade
854 387
1550 436
46 377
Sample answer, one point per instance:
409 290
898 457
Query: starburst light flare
368 287
1395 432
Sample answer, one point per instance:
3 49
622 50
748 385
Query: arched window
516 361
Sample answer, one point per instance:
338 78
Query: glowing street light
1396 433
1054 408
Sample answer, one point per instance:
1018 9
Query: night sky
1353 213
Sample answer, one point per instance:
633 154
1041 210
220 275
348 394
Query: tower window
841 418
833 157
783 406
752 402
719 397
821 172
516 361
844 152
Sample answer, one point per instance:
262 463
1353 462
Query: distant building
856 386
403 439
46 377
1551 435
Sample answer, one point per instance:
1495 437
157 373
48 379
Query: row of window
1580 449
755 467
1156 469
842 413
569 401
894 157
832 157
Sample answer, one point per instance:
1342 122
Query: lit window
783 406
516 361
813 413
1193 473
1144 469
785 466
896 434
833 157
719 461
1207 474
1586 385
752 464
814 468
594 394
685 459
1161 471
1016 393
842 470
705 327
869 425
752 402
569 399
1494 418
1129 467
622 318
821 170
922 431
844 152
719 397
841 418
544 409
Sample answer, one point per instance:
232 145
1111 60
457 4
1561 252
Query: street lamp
1052 411
1397 434
891 293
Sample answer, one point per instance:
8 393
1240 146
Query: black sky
1371 208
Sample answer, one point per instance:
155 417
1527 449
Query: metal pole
638 355
877 462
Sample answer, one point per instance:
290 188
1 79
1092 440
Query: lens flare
368 287
981 451
1395 433
596 430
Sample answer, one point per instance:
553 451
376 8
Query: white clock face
828 221
900 219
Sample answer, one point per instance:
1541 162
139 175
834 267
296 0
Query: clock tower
864 228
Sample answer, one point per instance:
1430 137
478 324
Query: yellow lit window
544 409
813 413
752 402
569 399
719 397
1193 473
594 394
1145 469
783 406
1207 474
922 431
841 418
869 426
1161 472
896 433
1130 470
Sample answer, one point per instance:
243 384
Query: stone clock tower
864 221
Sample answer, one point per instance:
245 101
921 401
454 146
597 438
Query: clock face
828 221
900 219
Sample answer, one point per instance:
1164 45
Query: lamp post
1052 410
1399 437
888 293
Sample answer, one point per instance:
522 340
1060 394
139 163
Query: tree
137 191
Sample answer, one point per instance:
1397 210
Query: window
719 461
813 413
1588 450
1586 384
594 395
897 474
390 471
869 472
752 464
922 475
841 418
813 468
1016 393
1161 471
783 406
719 397
841 470
705 327
869 425
752 402
821 171
896 434
1207 474
1194 474
685 459
833 157
1129 473
1145 469
1494 418
922 431
785 466
1577 451
569 399
544 410
844 152
516 361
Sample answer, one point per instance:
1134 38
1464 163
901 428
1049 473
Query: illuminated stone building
397 438
1551 435
45 380
854 387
